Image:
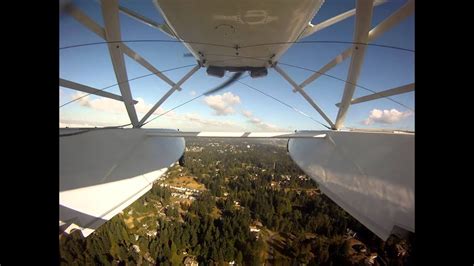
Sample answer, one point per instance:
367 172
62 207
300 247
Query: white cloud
247 114
263 125
192 93
195 122
187 121
100 104
259 123
72 125
82 123
195 118
116 107
385 116
222 104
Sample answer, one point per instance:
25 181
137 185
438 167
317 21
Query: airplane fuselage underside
234 34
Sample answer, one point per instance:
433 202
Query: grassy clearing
185 181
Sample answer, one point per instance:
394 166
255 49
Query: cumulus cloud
82 123
186 121
195 122
385 116
192 117
247 114
263 125
259 123
116 107
222 104
72 125
100 104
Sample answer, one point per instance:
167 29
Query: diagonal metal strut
364 10
395 18
81 87
304 94
86 21
383 94
168 94
112 33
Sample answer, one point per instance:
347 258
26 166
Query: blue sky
237 108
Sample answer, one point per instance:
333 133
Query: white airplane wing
104 171
370 175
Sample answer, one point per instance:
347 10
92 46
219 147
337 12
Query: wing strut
80 87
311 29
168 94
382 94
117 49
378 30
161 27
112 33
94 27
364 10
304 94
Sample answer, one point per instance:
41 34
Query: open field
185 181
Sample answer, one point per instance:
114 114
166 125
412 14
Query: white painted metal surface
364 10
287 78
209 134
305 95
82 18
369 174
80 87
162 27
135 56
168 94
382 94
103 171
311 29
238 24
86 21
112 33
398 16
